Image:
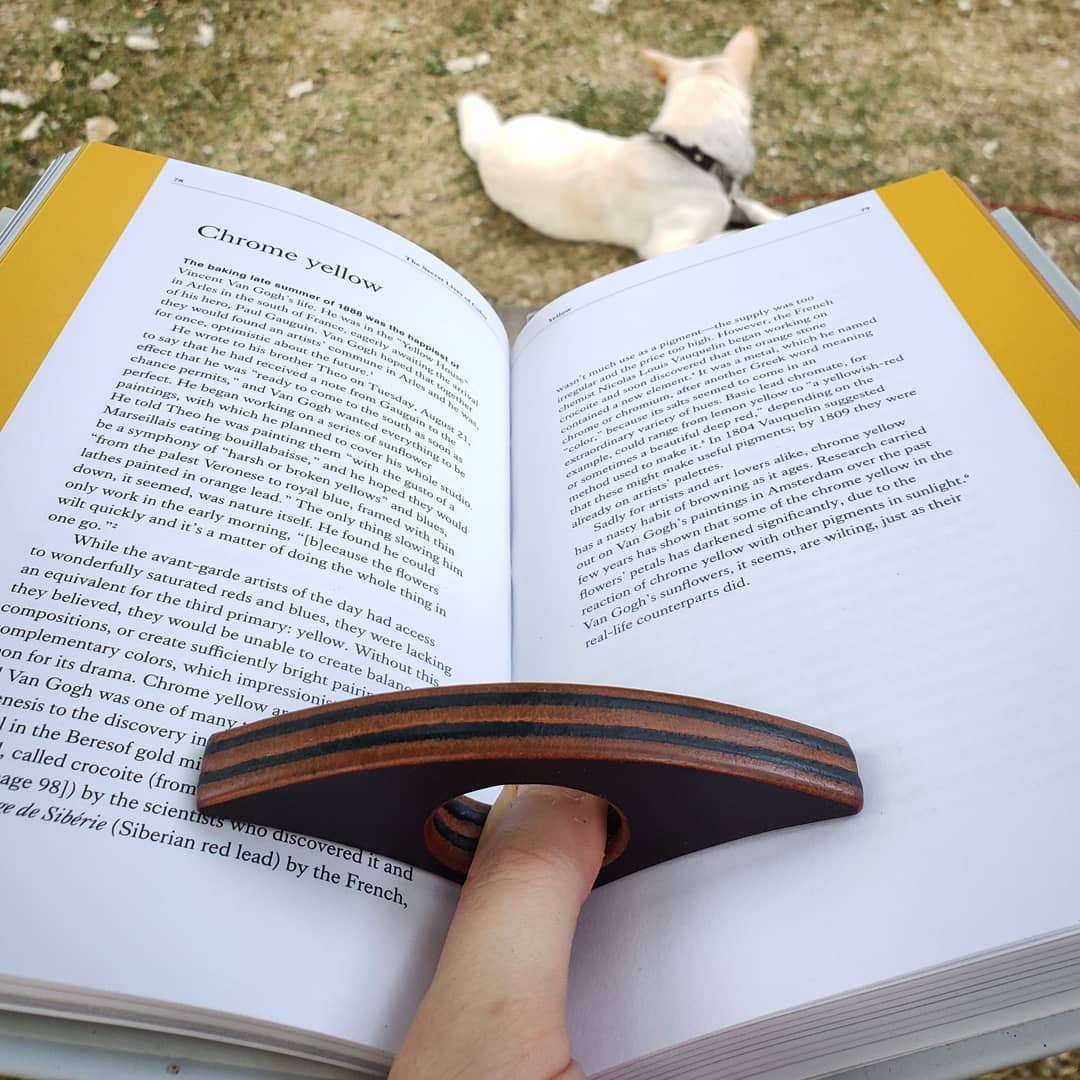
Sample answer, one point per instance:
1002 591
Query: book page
264 466
779 470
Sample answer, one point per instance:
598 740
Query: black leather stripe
560 699
529 729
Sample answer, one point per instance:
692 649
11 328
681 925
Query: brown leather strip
375 772
530 700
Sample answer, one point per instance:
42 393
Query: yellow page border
1019 320
50 265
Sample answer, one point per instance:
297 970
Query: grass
622 111
851 94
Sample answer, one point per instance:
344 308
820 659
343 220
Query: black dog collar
703 161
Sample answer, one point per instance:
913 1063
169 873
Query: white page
942 646
132 443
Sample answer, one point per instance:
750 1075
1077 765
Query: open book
260 454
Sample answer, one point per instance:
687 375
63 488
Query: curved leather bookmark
387 772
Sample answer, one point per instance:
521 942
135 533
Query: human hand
496 1007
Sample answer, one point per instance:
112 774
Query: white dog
656 192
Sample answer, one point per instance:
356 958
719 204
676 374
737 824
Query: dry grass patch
851 95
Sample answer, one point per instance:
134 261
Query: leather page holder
388 773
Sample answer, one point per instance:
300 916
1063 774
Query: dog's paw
746 212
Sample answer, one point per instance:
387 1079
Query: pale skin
496 1007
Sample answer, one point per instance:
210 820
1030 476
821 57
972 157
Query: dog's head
707 103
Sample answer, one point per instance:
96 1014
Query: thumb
497 1004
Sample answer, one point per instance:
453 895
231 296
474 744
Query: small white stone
204 35
964 6
142 42
105 81
990 148
461 64
299 89
33 129
15 98
55 71
61 25
601 7
100 128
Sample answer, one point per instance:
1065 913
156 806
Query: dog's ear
660 64
741 56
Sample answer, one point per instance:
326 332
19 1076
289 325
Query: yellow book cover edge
1020 321
51 264
1017 318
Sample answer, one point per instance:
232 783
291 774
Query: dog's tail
478 121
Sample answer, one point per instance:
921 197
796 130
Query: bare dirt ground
353 103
